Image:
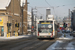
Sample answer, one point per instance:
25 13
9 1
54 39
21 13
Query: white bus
46 29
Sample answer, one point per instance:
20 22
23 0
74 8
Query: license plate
49 34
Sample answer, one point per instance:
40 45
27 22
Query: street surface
24 22
63 43
26 44
32 43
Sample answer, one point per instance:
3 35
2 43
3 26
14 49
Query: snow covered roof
5 3
2 8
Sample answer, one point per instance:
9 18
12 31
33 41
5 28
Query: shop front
1 27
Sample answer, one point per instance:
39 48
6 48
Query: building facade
48 12
14 10
13 14
4 18
67 20
73 20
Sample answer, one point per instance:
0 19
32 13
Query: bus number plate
49 34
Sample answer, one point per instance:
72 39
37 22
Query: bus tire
39 39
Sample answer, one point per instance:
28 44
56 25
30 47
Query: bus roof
46 20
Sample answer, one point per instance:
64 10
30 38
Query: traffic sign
32 26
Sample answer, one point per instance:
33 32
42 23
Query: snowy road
65 42
26 44
32 43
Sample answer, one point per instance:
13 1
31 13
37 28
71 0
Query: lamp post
32 25
22 16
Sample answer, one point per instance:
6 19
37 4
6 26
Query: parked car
73 34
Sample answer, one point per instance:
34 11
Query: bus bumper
45 37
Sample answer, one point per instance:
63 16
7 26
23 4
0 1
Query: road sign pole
32 26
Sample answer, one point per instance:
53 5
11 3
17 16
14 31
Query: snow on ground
15 37
71 46
67 37
52 47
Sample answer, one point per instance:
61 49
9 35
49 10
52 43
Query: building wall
25 18
67 20
2 11
47 13
5 18
14 10
73 20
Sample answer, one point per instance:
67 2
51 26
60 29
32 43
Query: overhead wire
57 6
52 7
37 10
8 2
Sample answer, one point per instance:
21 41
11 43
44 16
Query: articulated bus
46 29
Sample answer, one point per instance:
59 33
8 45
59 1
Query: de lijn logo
0 20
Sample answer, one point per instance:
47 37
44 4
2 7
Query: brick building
14 10
13 14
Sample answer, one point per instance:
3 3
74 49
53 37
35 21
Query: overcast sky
60 11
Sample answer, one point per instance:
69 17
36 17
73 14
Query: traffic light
8 24
64 25
17 25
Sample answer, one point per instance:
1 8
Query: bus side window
39 30
55 27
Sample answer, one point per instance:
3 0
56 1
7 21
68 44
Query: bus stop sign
32 26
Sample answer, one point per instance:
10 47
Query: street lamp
35 22
22 16
32 25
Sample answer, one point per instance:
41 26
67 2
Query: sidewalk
15 37
63 44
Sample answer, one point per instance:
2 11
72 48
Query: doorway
1 31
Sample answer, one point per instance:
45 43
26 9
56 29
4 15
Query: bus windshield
45 28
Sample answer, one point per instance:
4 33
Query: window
45 28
